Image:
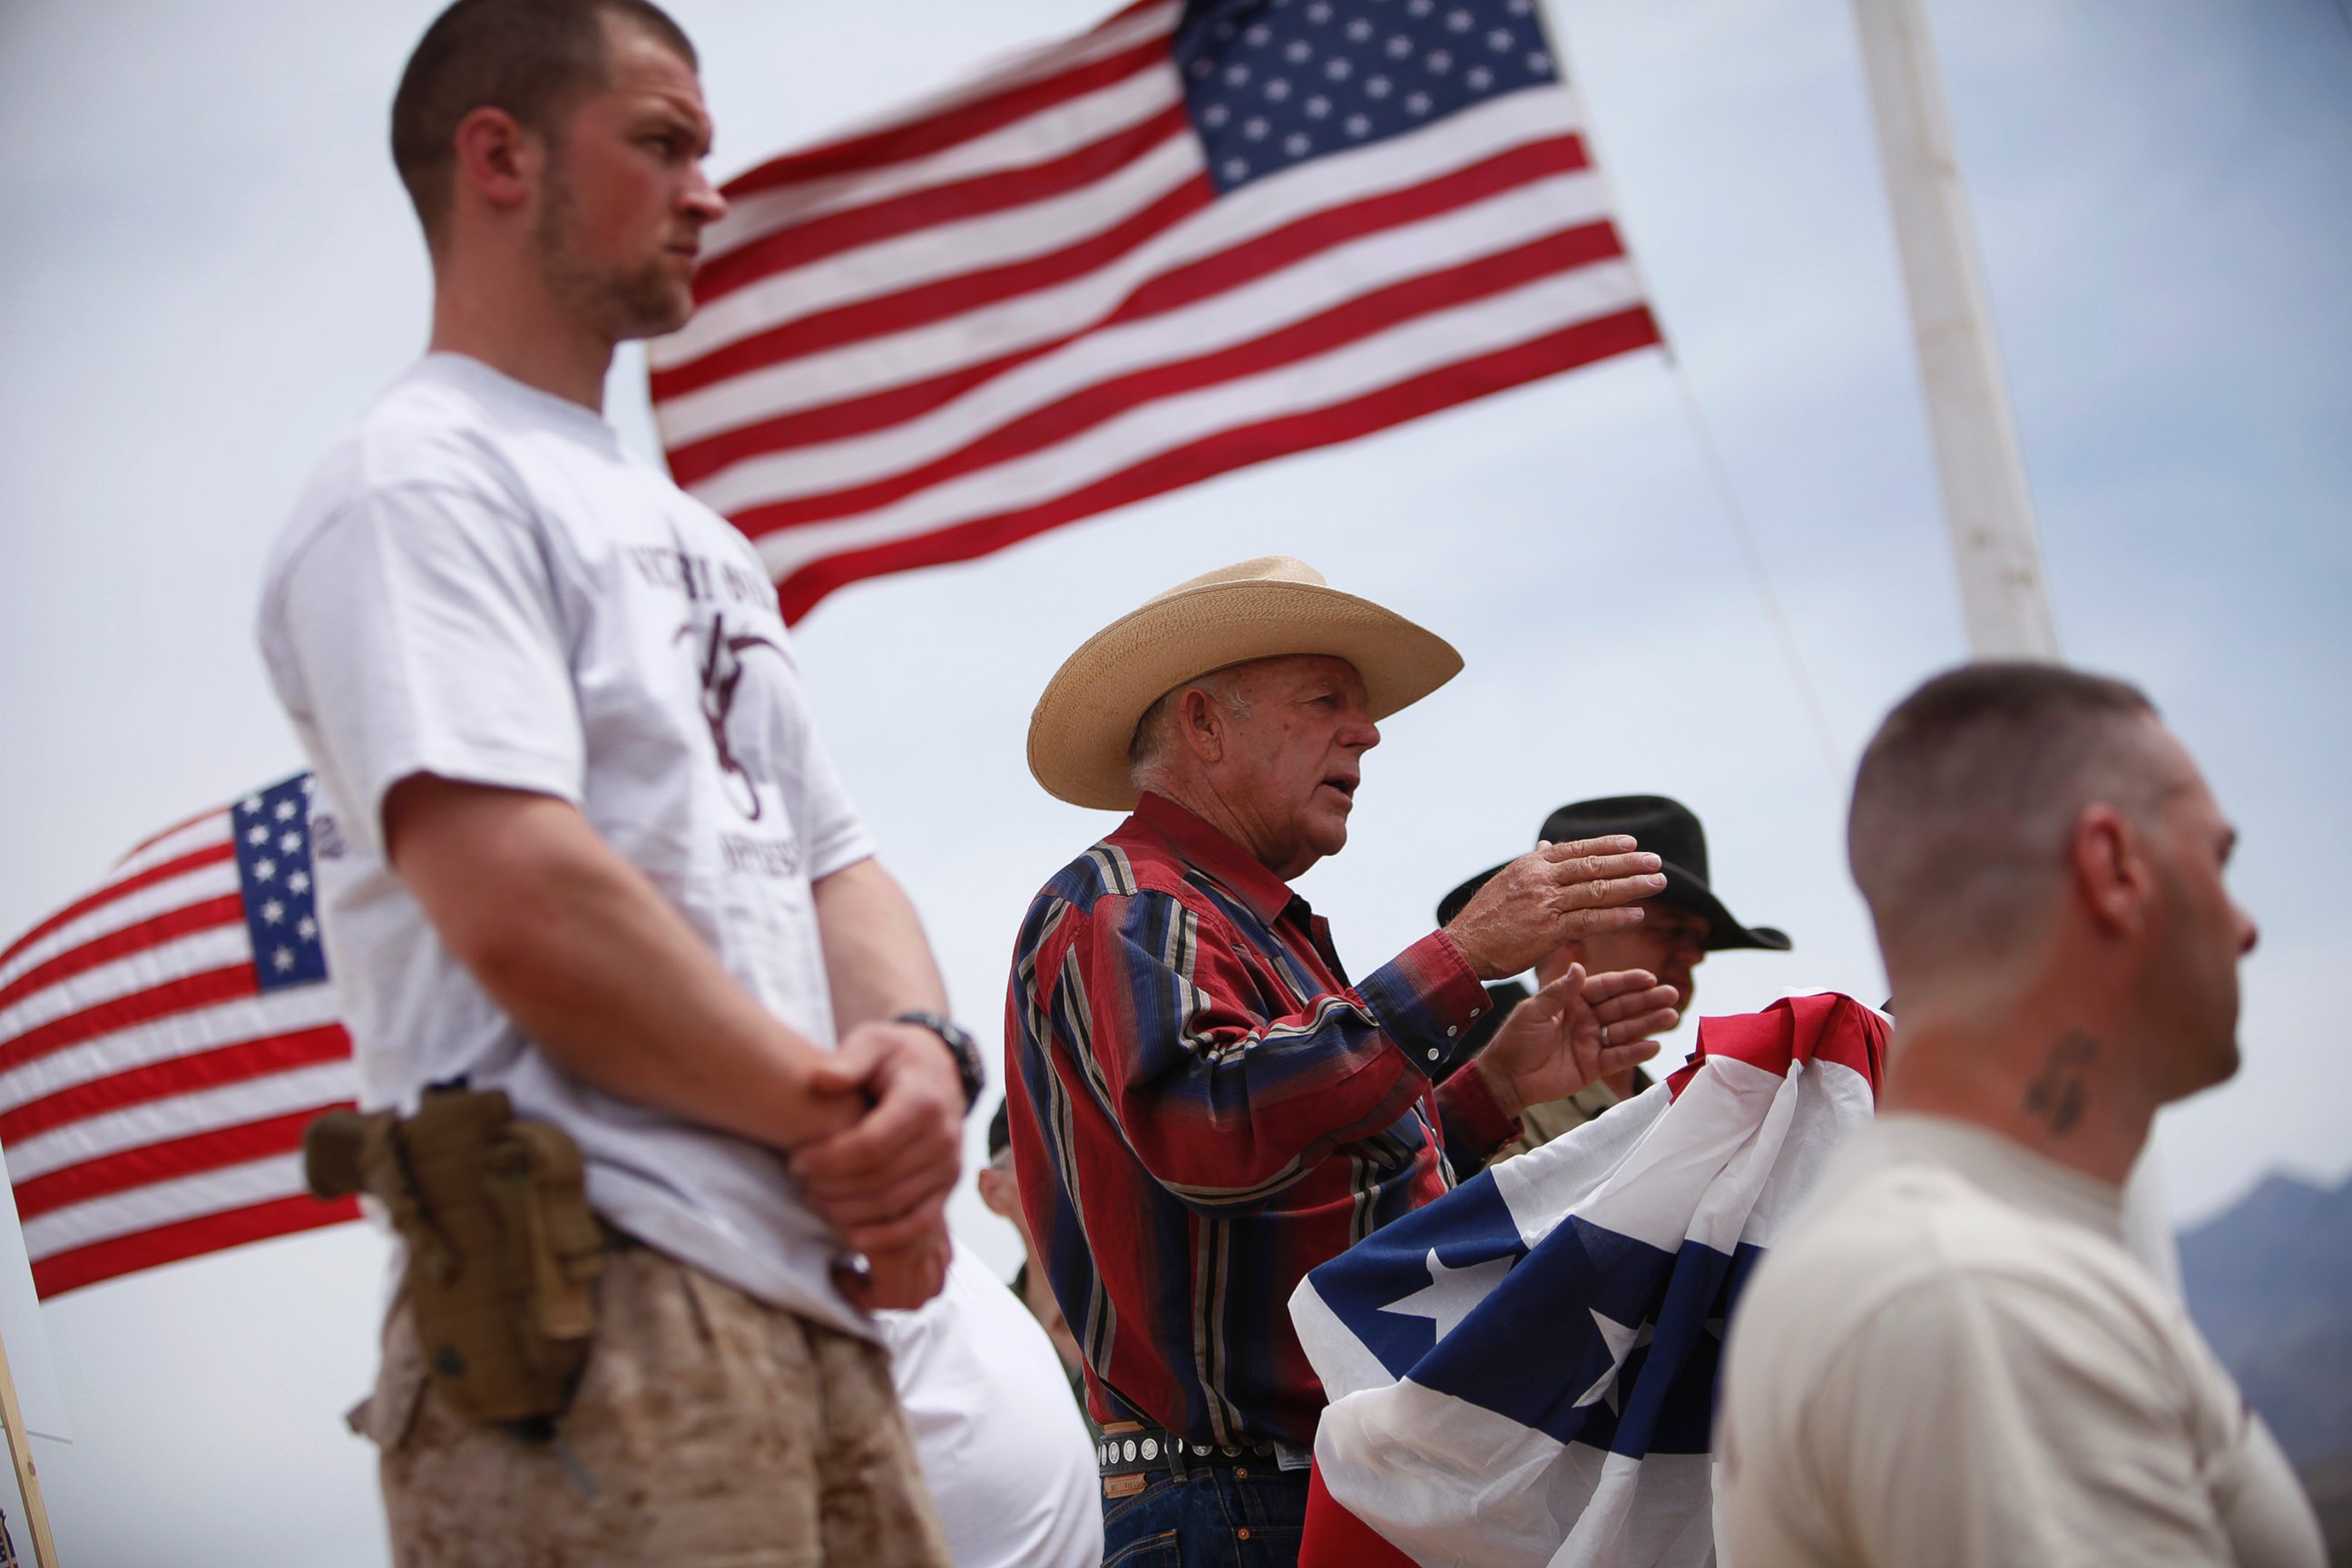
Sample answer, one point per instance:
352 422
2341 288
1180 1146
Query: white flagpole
1987 507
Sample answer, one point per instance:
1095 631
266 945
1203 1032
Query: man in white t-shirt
1951 1359
579 841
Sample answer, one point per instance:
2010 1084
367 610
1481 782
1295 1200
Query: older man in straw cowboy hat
1203 1106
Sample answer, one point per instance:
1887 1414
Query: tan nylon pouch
539 1184
503 1250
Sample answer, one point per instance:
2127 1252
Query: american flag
1522 1373
164 1041
1200 235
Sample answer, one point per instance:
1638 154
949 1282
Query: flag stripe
1101 398
816 237
841 420
110 980
188 919
1198 288
173 1075
751 215
263 1015
1229 449
110 1134
1038 233
1403 351
148 877
132 907
887 341
167 1202
1250 297
69 1269
1138 46
191 1154
194 832
176 995
1464 144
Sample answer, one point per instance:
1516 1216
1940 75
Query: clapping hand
1574 1031
1559 893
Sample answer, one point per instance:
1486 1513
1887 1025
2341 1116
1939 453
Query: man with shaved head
1952 1359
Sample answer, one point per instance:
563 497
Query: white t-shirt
1951 1360
1005 1451
482 583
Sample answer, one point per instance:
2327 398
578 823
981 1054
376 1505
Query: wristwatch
960 1046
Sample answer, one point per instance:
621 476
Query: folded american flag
1198 237
164 1041
1523 1373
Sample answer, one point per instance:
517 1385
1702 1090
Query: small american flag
164 1041
1198 237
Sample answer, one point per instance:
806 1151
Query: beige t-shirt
1951 1360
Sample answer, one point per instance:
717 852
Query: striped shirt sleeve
1224 1100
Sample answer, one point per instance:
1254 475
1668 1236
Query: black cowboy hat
1667 828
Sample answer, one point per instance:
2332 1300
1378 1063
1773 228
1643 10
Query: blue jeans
1211 1517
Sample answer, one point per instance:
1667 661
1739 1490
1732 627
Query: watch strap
959 1044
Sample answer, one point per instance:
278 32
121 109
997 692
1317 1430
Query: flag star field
273 864
1272 85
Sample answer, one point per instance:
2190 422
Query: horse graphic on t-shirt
723 669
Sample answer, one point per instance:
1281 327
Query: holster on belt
503 1250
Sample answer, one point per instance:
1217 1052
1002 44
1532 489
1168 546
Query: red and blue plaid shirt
1203 1109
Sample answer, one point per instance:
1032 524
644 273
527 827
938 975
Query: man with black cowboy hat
1203 1106
1680 927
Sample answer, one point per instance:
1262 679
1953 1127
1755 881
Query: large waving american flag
1198 237
164 1041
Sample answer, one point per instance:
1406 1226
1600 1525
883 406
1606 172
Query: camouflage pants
708 1429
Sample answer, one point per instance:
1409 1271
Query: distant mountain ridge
2269 1282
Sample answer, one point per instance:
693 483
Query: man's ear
498 160
1201 723
994 1190
2109 870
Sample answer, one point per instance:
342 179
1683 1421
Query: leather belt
1130 1449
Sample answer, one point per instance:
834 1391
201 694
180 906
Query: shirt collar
1210 850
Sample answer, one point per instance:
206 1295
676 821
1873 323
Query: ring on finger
1605 1036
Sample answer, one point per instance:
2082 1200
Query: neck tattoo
2056 1098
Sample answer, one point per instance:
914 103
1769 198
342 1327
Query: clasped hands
882 1181
1579 1028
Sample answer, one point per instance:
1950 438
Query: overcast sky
209 269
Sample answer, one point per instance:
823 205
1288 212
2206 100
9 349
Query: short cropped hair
533 58
1968 796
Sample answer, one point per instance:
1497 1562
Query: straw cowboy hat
1266 608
